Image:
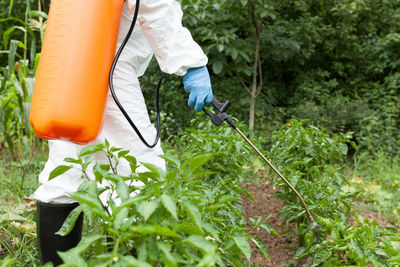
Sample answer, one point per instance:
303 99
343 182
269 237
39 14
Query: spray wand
216 119
221 116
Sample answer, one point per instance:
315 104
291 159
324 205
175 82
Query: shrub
310 158
175 218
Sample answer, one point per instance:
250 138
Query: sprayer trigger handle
221 107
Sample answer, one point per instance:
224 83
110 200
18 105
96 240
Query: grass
18 181
377 179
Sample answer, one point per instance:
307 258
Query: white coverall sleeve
172 44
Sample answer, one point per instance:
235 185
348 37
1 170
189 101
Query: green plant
309 157
229 152
17 228
360 244
377 179
175 218
8 261
17 139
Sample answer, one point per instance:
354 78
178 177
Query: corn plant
16 86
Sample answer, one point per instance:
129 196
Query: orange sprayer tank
72 79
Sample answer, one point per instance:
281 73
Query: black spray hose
110 80
222 116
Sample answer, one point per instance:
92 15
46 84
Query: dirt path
279 253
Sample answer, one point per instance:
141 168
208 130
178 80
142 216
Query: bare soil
280 249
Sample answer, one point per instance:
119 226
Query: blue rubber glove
198 84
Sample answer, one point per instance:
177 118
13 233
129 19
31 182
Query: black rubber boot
50 218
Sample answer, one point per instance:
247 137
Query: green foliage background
333 62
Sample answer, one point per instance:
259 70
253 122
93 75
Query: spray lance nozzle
221 116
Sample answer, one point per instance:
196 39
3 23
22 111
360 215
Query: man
159 30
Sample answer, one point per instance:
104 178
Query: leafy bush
175 218
229 152
309 157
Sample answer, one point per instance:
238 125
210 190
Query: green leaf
170 204
99 172
168 259
188 229
122 190
11 216
225 199
93 202
209 259
299 253
132 262
10 144
115 149
58 171
90 149
243 245
323 254
120 217
72 258
217 67
342 148
234 54
132 201
86 242
7 261
171 159
199 161
123 153
153 229
394 260
209 228
11 57
132 162
193 213
38 13
72 160
355 247
261 246
6 35
146 208
158 172
32 52
200 243
70 221
387 231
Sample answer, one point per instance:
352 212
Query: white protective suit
158 30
